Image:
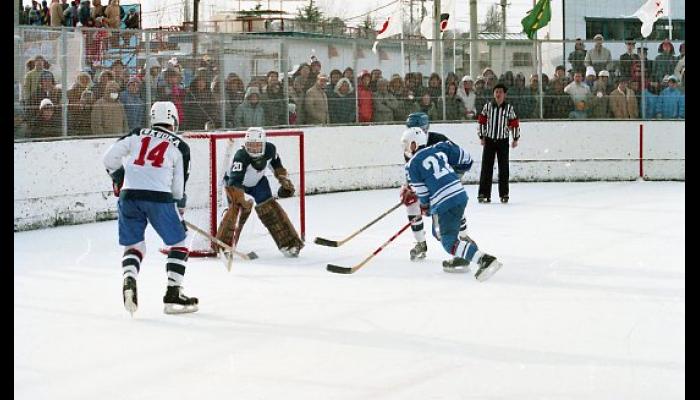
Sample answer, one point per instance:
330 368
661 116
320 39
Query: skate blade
418 257
129 304
489 271
180 309
456 270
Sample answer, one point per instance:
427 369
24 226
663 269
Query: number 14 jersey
156 164
430 172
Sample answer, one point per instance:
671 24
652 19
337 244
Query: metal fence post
148 79
284 58
539 73
222 83
64 82
355 72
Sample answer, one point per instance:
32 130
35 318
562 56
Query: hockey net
211 154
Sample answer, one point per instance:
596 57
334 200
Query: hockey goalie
246 175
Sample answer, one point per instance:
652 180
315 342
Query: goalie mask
413 136
255 142
164 113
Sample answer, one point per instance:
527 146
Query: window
522 59
624 28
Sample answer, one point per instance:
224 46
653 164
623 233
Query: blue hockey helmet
418 120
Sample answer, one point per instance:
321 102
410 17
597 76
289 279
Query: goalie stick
248 256
350 270
337 243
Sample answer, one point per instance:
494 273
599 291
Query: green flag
537 18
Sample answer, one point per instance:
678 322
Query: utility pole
503 36
410 35
196 14
473 45
436 37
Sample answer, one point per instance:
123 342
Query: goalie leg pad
227 227
277 223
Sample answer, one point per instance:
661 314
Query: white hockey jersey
156 164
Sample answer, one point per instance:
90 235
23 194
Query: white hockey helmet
409 137
255 140
164 113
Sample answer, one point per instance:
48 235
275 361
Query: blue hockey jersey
431 173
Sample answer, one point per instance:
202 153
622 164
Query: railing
207 76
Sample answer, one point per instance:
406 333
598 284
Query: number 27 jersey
430 172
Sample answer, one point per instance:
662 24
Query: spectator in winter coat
521 97
364 98
275 104
671 102
577 57
82 125
70 14
172 91
454 110
108 116
580 111
152 68
234 91
98 10
623 103
250 112
599 57
665 62
334 76
426 105
316 102
482 95
84 16
82 83
201 109
349 73
134 105
468 97
46 122
31 78
375 75
56 14
384 103
650 100
629 60
405 101
590 77
112 15
557 104
47 90
604 76
435 87
599 101
341 104
679 71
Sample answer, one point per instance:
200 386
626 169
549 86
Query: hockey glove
117 180
425 209
286 186
408 196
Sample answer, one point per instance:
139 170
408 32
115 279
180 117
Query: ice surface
588 305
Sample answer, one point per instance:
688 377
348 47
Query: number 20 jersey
156 164
430 172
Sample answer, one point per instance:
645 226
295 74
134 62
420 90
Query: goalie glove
117 180
408 196
286 186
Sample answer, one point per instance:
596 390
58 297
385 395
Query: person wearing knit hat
590 77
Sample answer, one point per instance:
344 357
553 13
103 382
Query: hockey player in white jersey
247 175
149 169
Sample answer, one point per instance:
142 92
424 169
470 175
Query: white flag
650 12
391 26
426 27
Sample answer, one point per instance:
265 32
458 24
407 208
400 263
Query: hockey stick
350 270
249 256
337 243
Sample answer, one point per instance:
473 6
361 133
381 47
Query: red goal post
213 146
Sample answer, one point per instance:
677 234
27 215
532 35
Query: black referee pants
494 148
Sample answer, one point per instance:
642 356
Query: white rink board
590 304
63 182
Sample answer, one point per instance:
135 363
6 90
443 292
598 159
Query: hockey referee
495 121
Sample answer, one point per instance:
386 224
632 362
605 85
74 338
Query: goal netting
211 154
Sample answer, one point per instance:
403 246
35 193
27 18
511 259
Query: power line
371 11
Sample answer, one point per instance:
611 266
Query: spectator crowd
112 99
78 13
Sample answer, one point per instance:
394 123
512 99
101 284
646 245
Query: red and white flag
391 26
650 12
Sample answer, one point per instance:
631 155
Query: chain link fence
96 81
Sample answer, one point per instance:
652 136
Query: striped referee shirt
495 121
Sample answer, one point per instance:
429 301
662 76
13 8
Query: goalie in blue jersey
431 172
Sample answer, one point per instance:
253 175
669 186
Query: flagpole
403 56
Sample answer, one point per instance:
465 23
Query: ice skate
488 265
419 251
129 293
177 303
292 251
457 264
504 199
